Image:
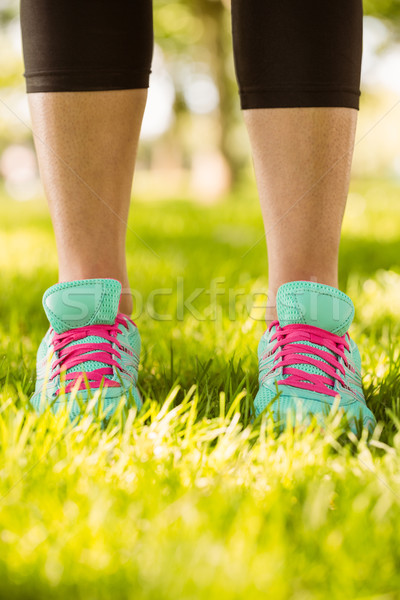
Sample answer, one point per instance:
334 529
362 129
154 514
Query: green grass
188 500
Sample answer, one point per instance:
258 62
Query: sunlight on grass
189 499
171 506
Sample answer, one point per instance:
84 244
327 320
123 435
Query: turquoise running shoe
89 345
307 359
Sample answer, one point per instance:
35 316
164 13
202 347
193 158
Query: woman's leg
86 145
298 66
302 159
87 70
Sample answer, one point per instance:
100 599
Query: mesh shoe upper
87 336
308 357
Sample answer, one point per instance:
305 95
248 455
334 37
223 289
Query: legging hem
90 81
299 98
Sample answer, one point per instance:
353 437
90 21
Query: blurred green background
193 132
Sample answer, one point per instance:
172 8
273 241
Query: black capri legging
288 53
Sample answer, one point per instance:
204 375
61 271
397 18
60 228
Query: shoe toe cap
291 407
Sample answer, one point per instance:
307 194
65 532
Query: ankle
126 304
271 311
271 315
101 272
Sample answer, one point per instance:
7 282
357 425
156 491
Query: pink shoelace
71 356
290 340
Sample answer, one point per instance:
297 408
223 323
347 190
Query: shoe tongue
80 303
314 304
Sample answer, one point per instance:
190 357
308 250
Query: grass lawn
188 499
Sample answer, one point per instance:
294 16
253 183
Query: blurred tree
201 31
217 38
8 11
384 9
